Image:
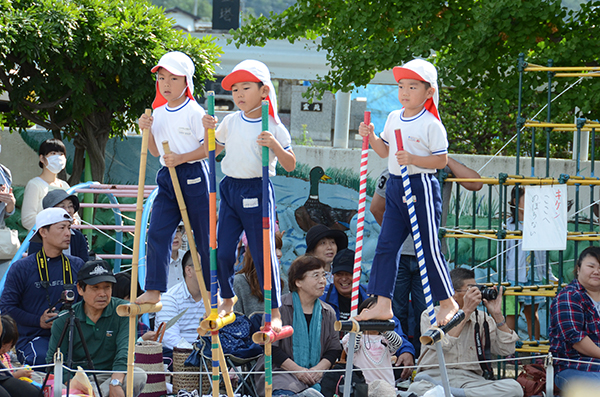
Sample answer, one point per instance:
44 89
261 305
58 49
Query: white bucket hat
179 64
419 69
253 71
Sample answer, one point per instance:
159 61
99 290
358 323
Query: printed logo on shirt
109 334
414 139
185 130
250 202
54 283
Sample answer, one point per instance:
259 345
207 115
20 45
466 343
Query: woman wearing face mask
53 159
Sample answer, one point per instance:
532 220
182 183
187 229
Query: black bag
332 383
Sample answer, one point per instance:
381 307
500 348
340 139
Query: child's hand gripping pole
421 260
360 222
436 334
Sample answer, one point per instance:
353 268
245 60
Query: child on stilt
241 188
177 118
425 150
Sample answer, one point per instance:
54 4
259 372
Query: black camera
67 296
487 293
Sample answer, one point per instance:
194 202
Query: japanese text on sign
545 218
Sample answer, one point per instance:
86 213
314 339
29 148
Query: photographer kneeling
479 331
104 332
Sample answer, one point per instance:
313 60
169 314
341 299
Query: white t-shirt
243 158
422 135
180 126
35 191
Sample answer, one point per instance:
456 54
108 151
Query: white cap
48 217
179 64
254 71
420 69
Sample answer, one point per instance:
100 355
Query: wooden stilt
205 296
266 254
136 252
213 322
362 199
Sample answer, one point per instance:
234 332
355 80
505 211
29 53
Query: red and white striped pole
360 225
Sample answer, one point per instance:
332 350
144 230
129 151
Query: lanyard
42 264
488 372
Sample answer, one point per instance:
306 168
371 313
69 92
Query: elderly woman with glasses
315 345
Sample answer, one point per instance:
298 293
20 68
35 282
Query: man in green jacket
105 333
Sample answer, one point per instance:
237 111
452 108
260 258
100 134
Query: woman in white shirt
53 159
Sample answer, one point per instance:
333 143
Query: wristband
498 325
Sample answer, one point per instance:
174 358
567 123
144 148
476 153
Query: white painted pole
342 120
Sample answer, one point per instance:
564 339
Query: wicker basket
188 382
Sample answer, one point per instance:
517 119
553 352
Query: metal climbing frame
583 229
113 192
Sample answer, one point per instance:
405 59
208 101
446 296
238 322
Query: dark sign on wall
226 14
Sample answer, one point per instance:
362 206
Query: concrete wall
123 160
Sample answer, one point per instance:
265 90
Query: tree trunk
92 140
78 160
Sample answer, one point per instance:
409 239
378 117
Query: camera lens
68 296
489 294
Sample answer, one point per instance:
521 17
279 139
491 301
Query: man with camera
34 285
479 337
104 332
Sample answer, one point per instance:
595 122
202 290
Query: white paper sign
545 218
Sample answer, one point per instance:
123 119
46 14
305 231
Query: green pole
88 212
520 119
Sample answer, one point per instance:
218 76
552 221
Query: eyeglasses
318 276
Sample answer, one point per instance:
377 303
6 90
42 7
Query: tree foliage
81 68
473 43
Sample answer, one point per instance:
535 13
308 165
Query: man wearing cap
105 333
177 119
324 243
175 269
59 198
34 285
339 295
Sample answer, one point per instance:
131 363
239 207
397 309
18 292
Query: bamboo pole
136 252
205 296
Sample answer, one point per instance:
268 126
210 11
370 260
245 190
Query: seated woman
315 345
575 323
324 243
53 159
247 287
